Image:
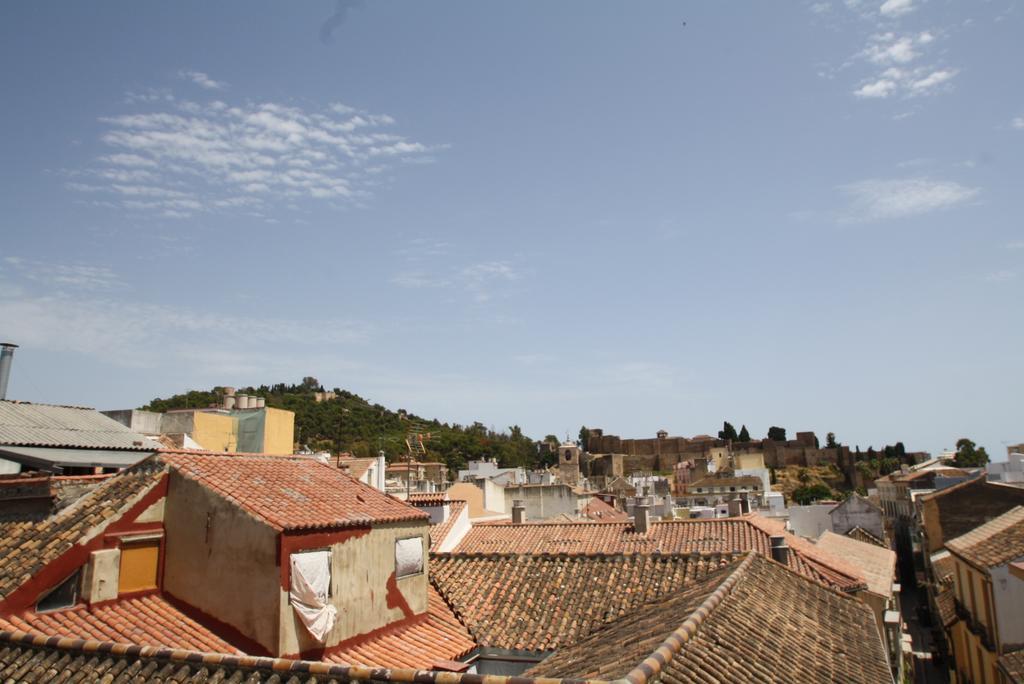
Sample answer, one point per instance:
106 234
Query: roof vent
642 516
780 551
518 511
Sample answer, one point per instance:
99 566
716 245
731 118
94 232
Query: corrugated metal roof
72 458
28 424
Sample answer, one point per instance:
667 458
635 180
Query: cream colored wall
278 431
981 670
222 561
749 460
215 431
360 568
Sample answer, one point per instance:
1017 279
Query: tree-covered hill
350 423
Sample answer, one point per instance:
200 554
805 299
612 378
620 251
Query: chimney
518 511
6 357
642 515
780 552
735 508
261 402
229 401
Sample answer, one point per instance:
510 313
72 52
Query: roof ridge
652 665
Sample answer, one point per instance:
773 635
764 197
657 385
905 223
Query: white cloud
896 8
881 88
201 80
188 156
1016 244
1018 123
876 199
931 81
155 336
78 276
888 48
1000 276
477 280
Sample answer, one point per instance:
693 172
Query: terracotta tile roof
597 509
440 531
31 659
723 535
544 602
440 637
356 467
24 553
877 564
945 602
1012 666
996 542
147 621
291 492
428 498
46 425
754 621
943 566
860 534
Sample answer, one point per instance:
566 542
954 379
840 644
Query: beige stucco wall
222 561
749 460
278 431
360 568
215 431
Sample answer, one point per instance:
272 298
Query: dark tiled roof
147 621
291 492
994 543
970 504
754 621
439 637
440 531
944 601
724 535
860 534
31 547
31 659
543 602
1012 666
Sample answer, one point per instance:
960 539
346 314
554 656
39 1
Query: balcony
975 626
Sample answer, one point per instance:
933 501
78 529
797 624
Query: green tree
830 441
584 437
969 455
806 495
777 434
744 435
728 432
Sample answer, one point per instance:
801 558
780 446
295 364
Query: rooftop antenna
415 441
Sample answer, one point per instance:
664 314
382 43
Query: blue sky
627 215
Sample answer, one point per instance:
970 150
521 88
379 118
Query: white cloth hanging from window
311 582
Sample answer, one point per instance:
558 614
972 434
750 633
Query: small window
64 595
732 489
140 563
408 556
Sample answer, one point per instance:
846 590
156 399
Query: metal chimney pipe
6 358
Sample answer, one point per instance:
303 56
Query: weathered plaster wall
361 570
546 501
222 561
